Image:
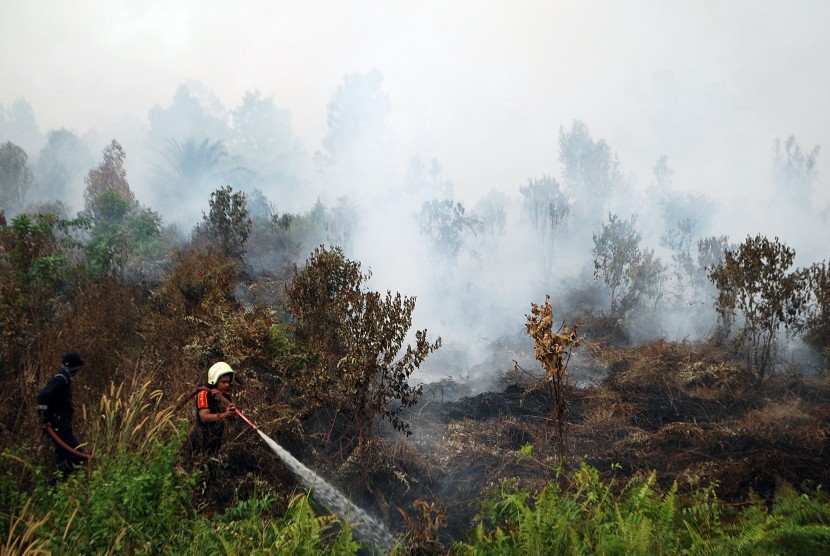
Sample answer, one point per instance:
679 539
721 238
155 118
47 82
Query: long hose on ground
54 435
225 402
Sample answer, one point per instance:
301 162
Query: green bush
134 498
593 517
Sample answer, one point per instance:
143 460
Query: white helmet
218 370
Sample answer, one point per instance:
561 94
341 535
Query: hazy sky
482 86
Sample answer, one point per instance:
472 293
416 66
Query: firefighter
54 406
213 407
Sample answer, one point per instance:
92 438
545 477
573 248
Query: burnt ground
691 415
688 413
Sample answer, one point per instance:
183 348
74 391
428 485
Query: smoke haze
394 104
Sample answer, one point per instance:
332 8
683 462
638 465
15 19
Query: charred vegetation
329 368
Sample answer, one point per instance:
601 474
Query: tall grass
133 497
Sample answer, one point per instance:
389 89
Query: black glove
41 411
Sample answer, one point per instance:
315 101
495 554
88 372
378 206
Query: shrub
817 325
630 273
354 337
754 282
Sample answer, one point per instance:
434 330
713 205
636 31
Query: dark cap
72 360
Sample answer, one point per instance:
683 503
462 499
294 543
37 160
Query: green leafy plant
755 283
547 207
592 516
628 272
35 267
444 223
134 498
355 342
817 323
16 178
227 224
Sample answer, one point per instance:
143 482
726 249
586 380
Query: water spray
367 528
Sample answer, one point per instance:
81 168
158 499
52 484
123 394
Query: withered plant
194 320
198 283
553 349
423 527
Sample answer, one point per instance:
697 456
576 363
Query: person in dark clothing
54 406
213 407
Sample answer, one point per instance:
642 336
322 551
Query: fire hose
77 453
222 399
54 435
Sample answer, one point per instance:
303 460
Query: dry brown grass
131 419
605 416
21 539
792 421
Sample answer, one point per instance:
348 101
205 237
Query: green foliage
547 207
629 273
590 171
794 171
228 224
444 223
133 498
280 342
817 323
109 207
754 281
356 339
595 517
34 265
122 230
616 250
15 178
130 498
130 505
110 174
249 528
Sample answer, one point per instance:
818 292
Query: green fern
592 518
